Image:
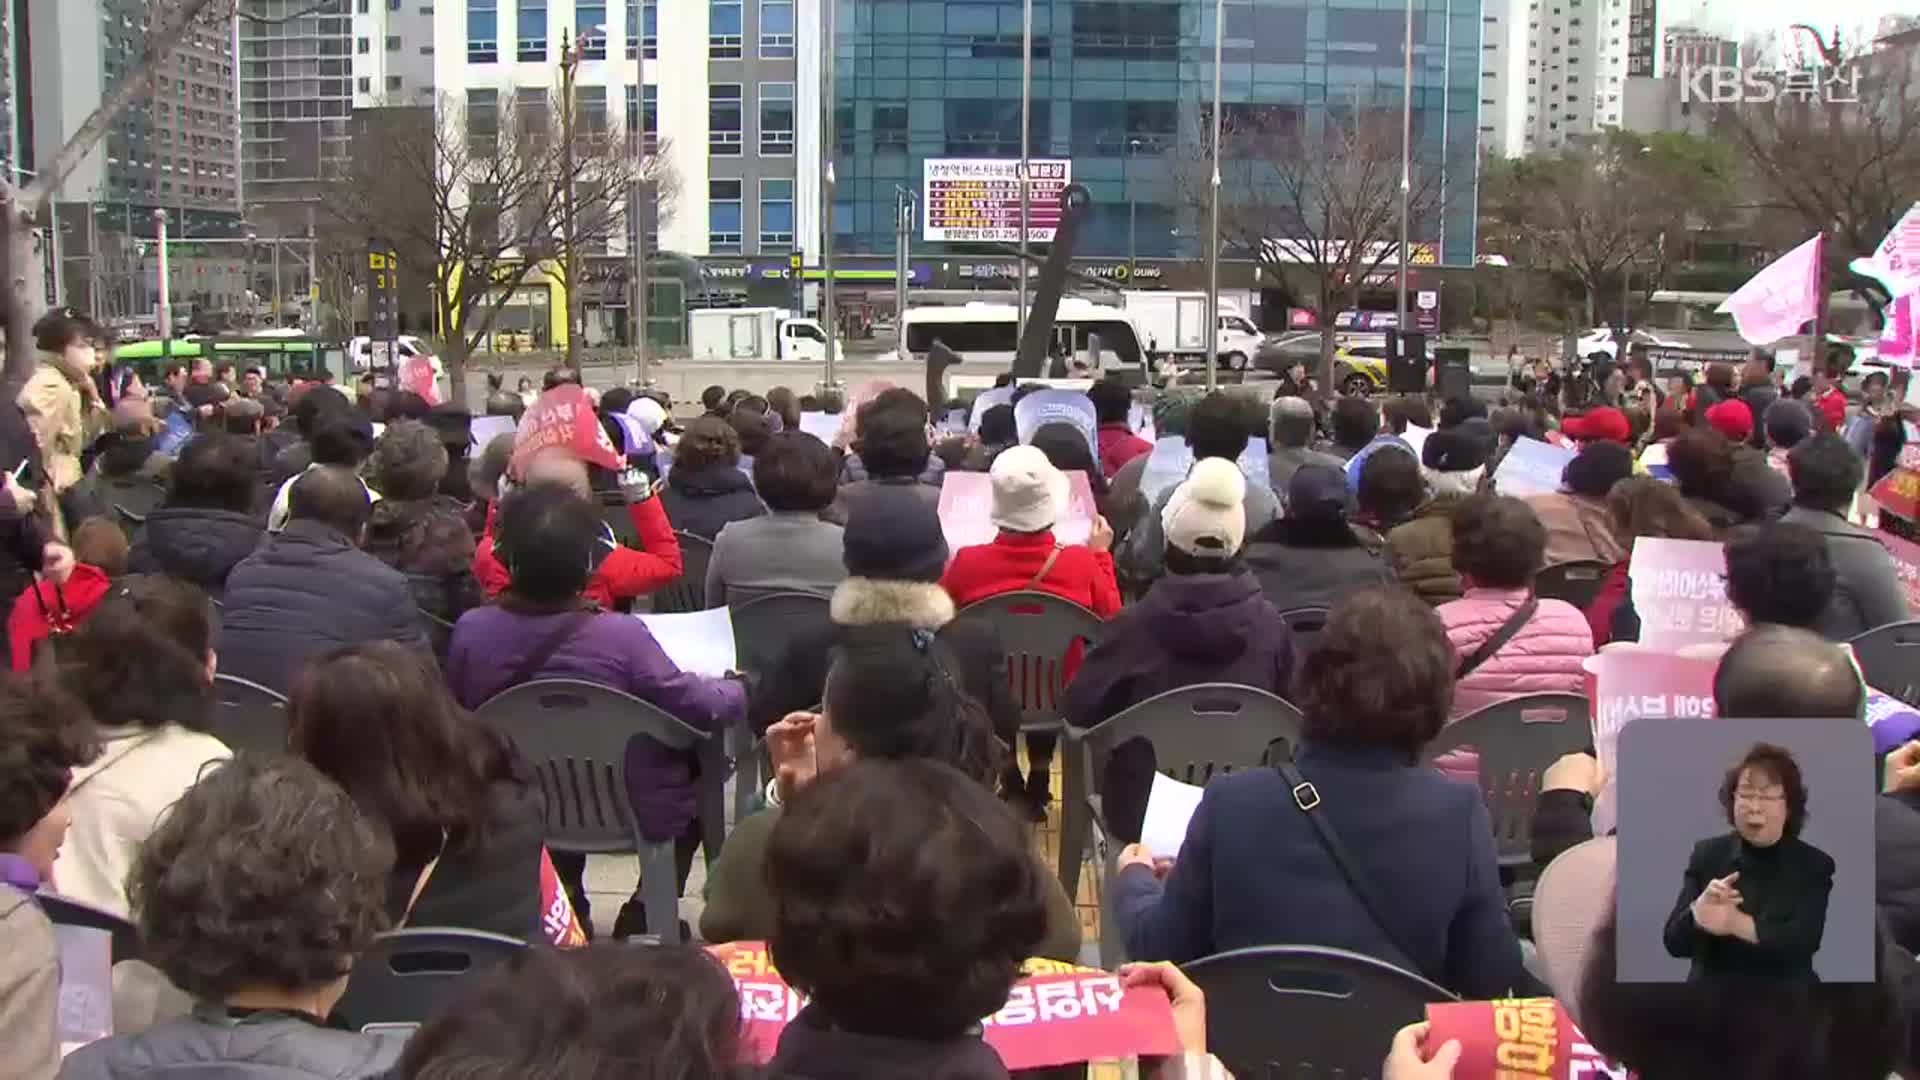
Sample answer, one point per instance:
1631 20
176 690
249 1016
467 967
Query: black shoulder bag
1307 798
1499 639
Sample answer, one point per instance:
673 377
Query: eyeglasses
1759 796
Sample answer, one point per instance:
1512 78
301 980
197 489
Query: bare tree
473 203
1316 201
1603 209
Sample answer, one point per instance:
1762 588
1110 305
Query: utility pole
642 197
1213 231
1133 211
1406 168
570 256
1026 139
903 215
828 136
165 307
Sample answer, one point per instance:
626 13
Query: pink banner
1898 344
1516 1038
1057 1013
1896 262
1775 302
1906 563
1680 593
966 510
1631 682
563 417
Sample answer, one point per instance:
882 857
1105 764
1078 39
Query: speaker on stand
1406 362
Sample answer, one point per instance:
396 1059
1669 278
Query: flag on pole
1777 300
1896 262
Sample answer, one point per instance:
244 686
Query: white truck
755 334
1175 326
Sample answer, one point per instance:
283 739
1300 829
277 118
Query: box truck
1175 326
755 334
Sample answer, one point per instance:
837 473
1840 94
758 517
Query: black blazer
1784 888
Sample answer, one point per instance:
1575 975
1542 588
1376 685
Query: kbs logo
1720 84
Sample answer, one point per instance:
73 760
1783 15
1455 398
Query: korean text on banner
563 417
1511 1038
1172 459
1057 1014
1906 563
1044 407
1531 467
1783 295
1631 682
558 923
966 510
1896 262
85 1010
1898 493
1679 588
697 641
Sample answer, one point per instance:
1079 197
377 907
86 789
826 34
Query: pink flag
1898 343
1775 301
1896 262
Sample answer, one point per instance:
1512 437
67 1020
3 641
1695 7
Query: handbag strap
1046 567
1499 639
1307 798
549 645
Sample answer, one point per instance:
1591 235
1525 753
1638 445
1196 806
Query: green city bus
278 355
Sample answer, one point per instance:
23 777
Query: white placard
1531 467
1170 806
1172 459
485 429
697 641
987 399
1043 407
820 425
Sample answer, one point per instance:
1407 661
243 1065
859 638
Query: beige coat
29 990
116 801
60 419
1579 529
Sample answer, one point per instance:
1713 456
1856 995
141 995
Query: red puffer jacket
625 572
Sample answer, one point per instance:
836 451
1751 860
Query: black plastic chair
1889 658
761 627
1517 740
65 911
406 975
1576 582
1305 1012
688 592
248 716
1035 630
574 735
1198 732
1305 624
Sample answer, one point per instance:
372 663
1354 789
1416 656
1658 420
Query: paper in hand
1170 806
697 641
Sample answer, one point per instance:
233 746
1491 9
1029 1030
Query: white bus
987 335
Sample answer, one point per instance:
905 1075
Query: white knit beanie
1206 516
1028 492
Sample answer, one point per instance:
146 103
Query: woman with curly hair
44 736
415 529
255 895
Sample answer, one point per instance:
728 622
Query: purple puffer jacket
490 644
1543 658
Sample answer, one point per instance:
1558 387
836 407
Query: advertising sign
977 200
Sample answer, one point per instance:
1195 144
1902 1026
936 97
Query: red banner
1516 1038
557 919
417 375
1898 492
1906 563
1680 592
1057 1014
563 417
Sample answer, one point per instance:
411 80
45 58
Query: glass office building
1123 88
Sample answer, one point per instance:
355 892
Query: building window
724 29
776 29
483 122
591 17
533 31
776 215
724 120
362 46
530 113
365 85
393 43
776 118
889 127
652 127
590 110
645 13
393 83
723 217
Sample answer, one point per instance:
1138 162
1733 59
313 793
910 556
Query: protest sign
1044 407
1906 564
1898 492
966 510
697 641
557 919
85 1010
1512 1038
485 429
1631 682
1057 1014
1531 467
987 399
563 417
820 425
1679 590
1171 460
417 375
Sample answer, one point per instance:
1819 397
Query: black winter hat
1453 450
892 534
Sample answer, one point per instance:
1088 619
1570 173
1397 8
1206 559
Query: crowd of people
360 555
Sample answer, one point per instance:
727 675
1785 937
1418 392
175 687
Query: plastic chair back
1576 582
1516 739
1035 630
248 716
762 625
1304 1012
408 974
1889 657
65 911
573 736
688 592
1305 623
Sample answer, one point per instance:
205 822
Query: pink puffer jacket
1543 658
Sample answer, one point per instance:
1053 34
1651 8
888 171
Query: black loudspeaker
1454 374
1406 362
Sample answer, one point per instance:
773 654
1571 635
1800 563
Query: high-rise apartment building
1683 47
296 102
1643 39
392 52
1557 70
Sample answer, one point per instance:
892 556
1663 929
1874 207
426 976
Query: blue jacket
1252 871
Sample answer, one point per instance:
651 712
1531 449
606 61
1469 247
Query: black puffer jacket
306 591
428 540
702 501
200 545
209 1044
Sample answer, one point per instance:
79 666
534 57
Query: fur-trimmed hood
859 601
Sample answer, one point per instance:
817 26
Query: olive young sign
977 200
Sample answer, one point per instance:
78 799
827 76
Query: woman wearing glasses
1755 899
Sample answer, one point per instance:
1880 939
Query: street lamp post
246 290
1026 138
165 306
1213 231
1406 167
641 201
828 136
1133 209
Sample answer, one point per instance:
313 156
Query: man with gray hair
1290 425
